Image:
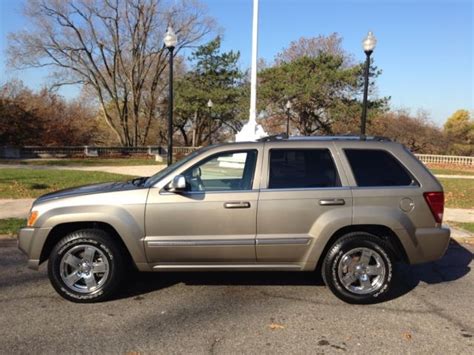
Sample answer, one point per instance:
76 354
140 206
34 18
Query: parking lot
431 312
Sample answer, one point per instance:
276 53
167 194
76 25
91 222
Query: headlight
32 218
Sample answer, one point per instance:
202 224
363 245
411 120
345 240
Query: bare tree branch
114 47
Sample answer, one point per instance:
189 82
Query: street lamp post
288 108
210 104
369 45
170 41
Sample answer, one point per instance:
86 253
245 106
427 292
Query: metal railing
184 150
92 151
87 151
445 159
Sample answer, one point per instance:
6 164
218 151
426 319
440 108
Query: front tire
358 268
86 266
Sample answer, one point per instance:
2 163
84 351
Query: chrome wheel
84 268
361 271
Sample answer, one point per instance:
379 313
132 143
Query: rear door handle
239 204
332 202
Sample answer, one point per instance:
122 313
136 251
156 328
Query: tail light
435 201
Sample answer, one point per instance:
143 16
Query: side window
373 167
302 168
228 171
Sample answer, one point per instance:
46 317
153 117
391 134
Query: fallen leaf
275 326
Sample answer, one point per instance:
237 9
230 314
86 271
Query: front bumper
31 242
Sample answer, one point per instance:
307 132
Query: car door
214 220
302 189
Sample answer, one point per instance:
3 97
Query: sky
425 47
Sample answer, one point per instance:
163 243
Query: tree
18 126
459 130
215 76
43 118
322 90
417 133
112 47
312 47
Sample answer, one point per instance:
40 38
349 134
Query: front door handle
332 202
239 204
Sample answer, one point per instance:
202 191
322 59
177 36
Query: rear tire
358 268
86 266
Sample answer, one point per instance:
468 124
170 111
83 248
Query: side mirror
177 184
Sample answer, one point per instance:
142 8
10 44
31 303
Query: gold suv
345 206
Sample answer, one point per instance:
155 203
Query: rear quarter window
302 168
375 167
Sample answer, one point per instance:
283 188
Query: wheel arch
63 229
383 232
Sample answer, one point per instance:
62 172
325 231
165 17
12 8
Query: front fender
128 223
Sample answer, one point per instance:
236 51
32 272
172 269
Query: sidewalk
15 208
134 170
458 215
454 176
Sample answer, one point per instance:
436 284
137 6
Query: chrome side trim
201 242
190 193
297 189
285 241
385 187
218 267
228 242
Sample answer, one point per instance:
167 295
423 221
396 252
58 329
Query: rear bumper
430 245
31 242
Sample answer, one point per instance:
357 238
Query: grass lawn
10 226
450 169
466 226
443 171
459 193
29 183
83 162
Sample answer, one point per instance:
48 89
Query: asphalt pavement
431 311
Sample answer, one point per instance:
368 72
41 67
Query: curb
8 242
461 235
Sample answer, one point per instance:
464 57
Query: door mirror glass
177 184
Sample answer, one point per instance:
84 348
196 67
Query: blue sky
425 48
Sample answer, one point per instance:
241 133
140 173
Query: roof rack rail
339 138
381 139
284 136
276 137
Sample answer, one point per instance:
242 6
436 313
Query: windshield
162 173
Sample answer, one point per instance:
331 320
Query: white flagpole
251 131
253 74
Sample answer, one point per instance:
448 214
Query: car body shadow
145 282
454 265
